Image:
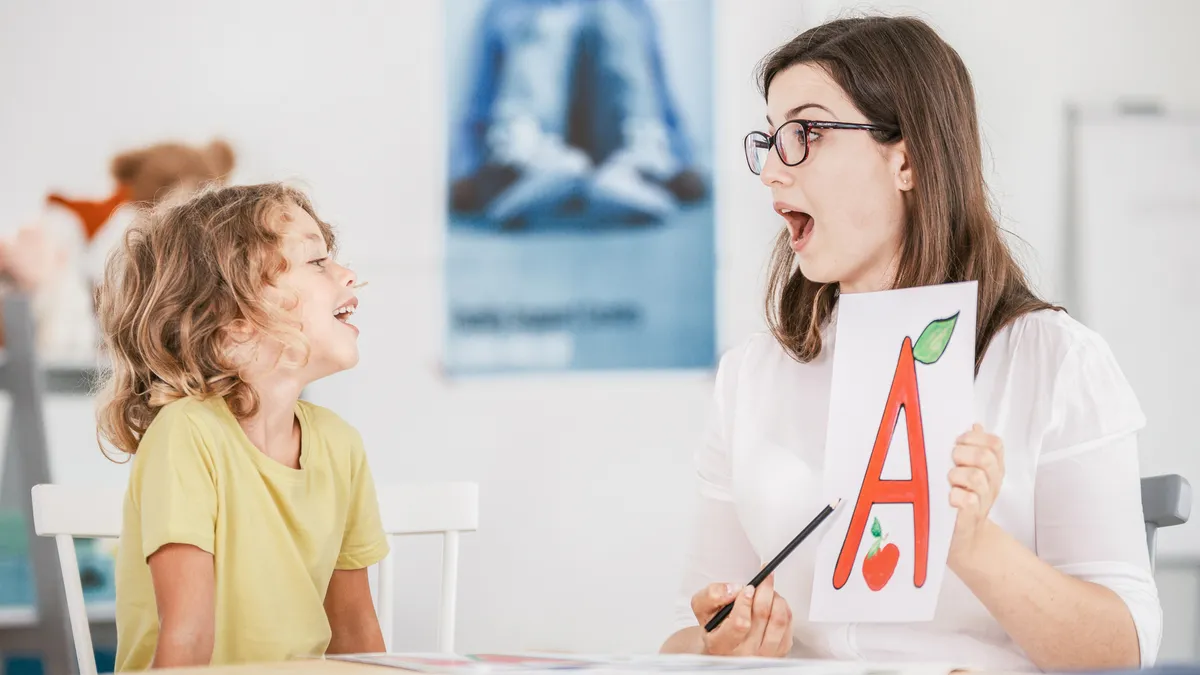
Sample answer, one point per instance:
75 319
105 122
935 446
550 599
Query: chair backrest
1166 501
64 513
426 508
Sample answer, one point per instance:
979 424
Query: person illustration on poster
569 112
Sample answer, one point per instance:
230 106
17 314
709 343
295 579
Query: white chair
414 509
65 513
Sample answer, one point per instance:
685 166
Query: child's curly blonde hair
184 275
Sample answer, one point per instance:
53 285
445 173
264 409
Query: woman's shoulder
1069 368
759 349
1052 339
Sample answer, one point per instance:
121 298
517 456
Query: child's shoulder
186 413
329 424
183 430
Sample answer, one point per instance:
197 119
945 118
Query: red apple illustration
881 560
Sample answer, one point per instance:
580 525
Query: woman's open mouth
800 226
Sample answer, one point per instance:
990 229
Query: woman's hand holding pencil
760 623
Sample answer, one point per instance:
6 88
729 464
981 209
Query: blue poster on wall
580 206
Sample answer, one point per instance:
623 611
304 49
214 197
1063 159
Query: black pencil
770 567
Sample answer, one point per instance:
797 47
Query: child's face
322 287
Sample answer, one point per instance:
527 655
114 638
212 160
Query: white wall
585 478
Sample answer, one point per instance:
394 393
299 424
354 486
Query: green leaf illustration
933 340
874 549
876 529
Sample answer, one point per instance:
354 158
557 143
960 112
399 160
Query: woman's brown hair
903 77
184 275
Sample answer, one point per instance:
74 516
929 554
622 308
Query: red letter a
875 490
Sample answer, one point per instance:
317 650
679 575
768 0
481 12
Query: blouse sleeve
1088 516
720 551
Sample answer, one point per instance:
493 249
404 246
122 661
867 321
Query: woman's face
844 204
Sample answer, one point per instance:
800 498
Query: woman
874 164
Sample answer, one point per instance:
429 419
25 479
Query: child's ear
239 341
239 330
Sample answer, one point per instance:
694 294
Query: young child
251 516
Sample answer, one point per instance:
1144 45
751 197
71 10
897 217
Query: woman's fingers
759 624
777 640
711 599
760 613
970 478
732 632
992 446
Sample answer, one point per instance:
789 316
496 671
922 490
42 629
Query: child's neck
274 429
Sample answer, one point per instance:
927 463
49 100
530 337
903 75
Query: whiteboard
1133 267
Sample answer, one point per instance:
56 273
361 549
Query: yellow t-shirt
276 533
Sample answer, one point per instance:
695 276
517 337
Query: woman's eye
813 135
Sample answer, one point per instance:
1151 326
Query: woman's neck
880 277
274 429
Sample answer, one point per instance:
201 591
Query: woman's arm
1061 622
1078 602
688 640
351 612
184 593
720 552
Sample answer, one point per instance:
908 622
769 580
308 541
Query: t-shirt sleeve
364 542
173 483
1089 521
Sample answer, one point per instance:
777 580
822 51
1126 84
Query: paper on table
507 664
902 392
653 663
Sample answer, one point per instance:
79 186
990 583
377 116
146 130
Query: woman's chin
816 272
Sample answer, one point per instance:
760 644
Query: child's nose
350 277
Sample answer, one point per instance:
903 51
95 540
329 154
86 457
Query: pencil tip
834 503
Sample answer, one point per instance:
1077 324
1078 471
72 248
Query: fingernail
748 592
731 589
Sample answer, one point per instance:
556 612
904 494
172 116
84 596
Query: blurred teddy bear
59 261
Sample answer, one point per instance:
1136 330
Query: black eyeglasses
790 140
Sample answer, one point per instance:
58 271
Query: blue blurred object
1164 669
17 586
581 221
568 109
106 662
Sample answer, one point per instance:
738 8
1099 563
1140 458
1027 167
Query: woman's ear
900 166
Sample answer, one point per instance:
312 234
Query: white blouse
1048 387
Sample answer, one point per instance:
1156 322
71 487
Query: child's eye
319 262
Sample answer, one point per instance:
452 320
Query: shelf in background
22 616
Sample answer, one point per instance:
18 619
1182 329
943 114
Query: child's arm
348 602
351 613
184 594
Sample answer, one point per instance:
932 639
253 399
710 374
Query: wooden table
334 667
300 667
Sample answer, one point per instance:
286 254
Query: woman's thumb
724 593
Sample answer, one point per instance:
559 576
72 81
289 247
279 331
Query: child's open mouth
347 310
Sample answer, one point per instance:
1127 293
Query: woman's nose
774 172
